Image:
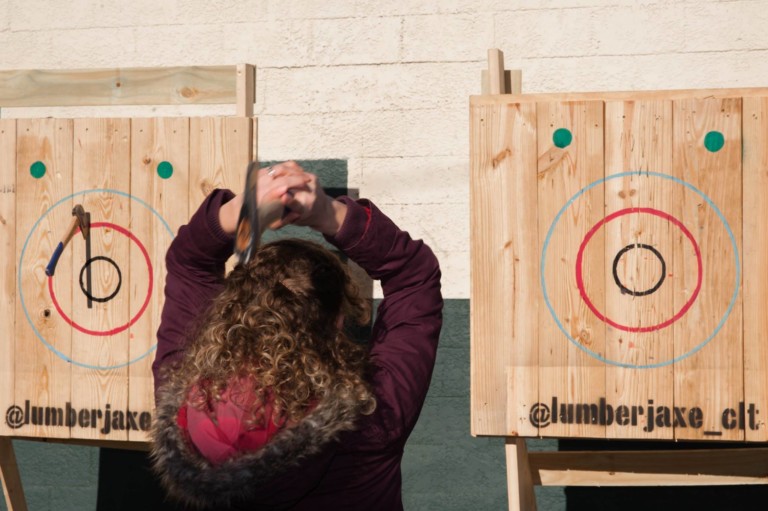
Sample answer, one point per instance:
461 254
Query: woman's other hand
310 206
275 189
273 192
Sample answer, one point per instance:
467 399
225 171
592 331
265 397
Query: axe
253 221
80 220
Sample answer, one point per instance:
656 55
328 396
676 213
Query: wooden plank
496 82
9 474
571 337
8 251
126 86
755 125
513 81
504 268
43 338
220 150
246 91
254 139
160 183
100 336
700 467
519 483
653 95
638 137
708 339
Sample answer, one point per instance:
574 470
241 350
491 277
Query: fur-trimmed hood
248 476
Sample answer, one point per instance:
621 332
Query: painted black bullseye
119 279
626 290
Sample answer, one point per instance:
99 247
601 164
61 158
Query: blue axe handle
54 259
74 224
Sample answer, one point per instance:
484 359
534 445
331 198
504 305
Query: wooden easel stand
628 468
699 467
108 87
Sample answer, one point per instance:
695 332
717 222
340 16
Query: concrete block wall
384 86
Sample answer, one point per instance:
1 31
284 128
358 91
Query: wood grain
8 252
100 381
653 95
504 266
126 86
496 82
79 373
245 90
686 467
755 163
153 141
42 375
703 373
712 377
519 483
567 372
220 150
638 137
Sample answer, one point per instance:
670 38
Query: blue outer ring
720 216
58 353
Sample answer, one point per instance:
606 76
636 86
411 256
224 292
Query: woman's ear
340 321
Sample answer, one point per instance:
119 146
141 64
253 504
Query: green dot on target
562 137
714 141
164 169
37 169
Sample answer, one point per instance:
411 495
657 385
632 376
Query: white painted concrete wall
385 84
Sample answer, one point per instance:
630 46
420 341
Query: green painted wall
57 477
444 467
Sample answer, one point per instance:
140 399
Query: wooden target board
619 272
76 358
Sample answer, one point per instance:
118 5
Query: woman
266 404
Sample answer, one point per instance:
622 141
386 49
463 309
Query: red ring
580 280
143 306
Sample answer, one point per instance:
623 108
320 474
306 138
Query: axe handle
88 268
248 231
51 268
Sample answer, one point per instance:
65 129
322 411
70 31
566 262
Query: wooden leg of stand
9 473
519 482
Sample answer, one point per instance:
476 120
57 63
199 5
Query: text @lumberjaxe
649 416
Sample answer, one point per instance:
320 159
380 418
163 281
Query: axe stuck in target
81 220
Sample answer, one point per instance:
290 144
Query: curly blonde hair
276 326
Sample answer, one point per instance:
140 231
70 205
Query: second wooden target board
615 256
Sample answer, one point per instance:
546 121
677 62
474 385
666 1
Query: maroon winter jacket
360 470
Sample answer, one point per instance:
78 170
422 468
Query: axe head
83 220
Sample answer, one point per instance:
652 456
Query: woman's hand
286 194
310 206
273 192
276 186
